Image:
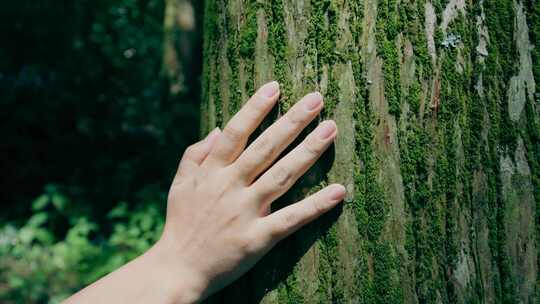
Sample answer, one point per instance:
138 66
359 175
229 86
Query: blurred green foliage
91 137
38 266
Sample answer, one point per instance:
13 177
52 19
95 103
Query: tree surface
438 146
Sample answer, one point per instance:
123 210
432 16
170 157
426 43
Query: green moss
329 278
248 32
289 292
448 174
386 36
321 48
414 30
248 37
532 136
363 145
385 284
533 18
323 29
428 146
277 42
241 42
413 98
422 240
371 206
500 19
210 81
233 57
532 143
218 101
332 95
501 65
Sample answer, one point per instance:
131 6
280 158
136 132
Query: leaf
37 219
147 222
26 235
40 203
59 201
120 210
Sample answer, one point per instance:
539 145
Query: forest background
99 99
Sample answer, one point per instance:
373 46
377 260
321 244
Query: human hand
218 221
218 214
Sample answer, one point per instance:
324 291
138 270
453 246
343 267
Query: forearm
150 278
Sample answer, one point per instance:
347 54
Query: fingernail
338 192
313 100
270 89
326 129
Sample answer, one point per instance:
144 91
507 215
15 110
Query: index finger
235 134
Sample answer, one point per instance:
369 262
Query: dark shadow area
91 135
86 107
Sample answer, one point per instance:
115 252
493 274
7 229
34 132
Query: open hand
218 220
218 214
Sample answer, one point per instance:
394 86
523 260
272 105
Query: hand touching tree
218 214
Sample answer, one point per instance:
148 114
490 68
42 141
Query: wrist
182 282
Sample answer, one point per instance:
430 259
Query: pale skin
218 222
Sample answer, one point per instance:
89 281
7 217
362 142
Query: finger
287 220
280 177
267 147
196 154
236 133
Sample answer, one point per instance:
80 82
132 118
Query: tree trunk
179 44
439 144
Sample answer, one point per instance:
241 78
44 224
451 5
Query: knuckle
318 207
296 117
246 243
313 147
241 244
264 147
281 176
258 103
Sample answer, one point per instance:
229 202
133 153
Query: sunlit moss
386 36
321 47
277 42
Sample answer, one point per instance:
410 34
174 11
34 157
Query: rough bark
439 144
